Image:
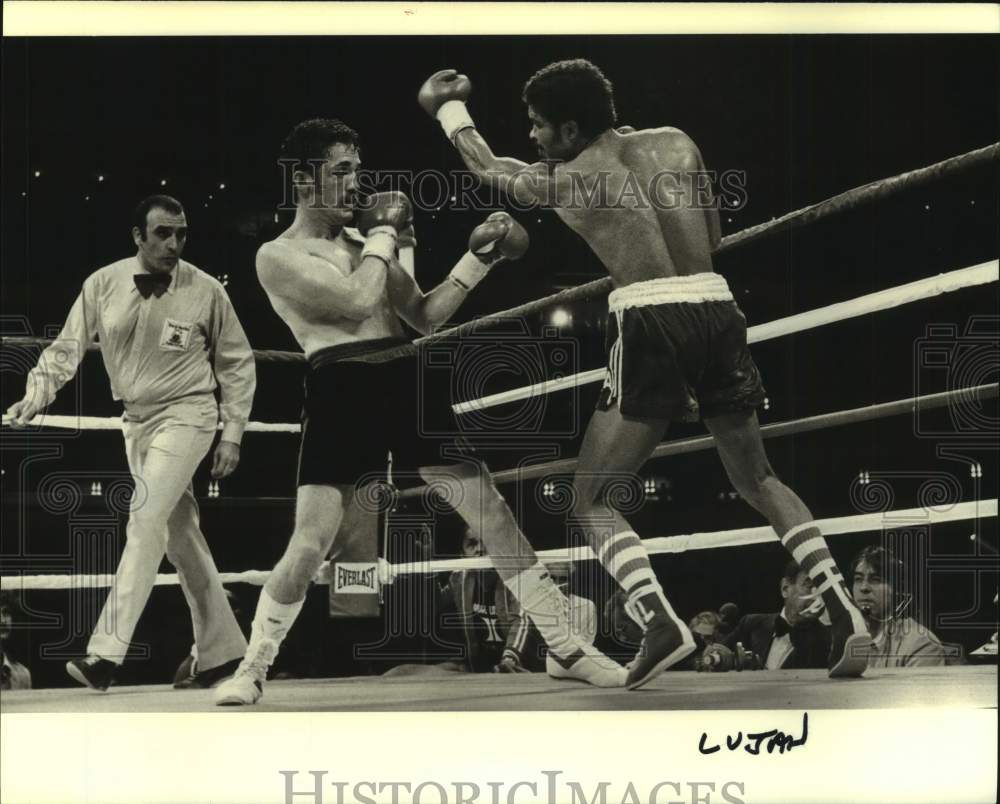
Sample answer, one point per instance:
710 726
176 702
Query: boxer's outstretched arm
526 184
443 97
315 286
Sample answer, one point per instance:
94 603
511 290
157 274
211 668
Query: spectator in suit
878 583
729 616
792 638
13 674
496 637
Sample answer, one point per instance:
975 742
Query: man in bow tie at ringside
795 637
169 337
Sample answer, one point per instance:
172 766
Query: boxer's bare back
640 200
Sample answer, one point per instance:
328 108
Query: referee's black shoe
92 671
206 679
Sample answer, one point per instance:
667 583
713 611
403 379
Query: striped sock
809 549
627 561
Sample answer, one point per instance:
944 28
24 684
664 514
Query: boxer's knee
309 546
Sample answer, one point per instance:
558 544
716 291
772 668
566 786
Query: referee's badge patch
175 335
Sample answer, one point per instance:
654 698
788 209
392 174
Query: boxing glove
499 237
443 97
380 218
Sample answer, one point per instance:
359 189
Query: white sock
273 619
545 604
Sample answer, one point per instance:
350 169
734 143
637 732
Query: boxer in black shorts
343 292
642 200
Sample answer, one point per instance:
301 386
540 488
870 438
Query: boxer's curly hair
311 139
574 89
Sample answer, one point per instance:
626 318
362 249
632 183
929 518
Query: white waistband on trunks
705 287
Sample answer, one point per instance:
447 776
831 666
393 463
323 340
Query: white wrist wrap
469 271
453 117
380 242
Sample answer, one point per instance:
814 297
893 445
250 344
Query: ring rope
866 193
806 424
684 446
115 423
874 302
822 421
740 537
928 288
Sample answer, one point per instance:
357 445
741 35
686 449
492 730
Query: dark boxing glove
499 237
443 97
380 218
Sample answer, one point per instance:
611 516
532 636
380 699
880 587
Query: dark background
805 117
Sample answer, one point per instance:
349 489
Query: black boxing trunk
677 350
358 408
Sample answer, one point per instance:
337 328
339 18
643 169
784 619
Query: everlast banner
354 589
355 579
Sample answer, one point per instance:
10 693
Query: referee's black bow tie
152 283
781 627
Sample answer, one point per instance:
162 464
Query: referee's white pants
163 454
